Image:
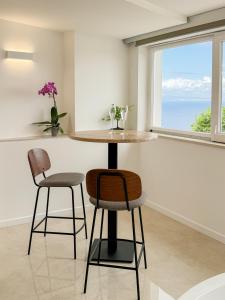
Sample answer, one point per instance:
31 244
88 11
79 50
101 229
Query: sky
187 72
187 84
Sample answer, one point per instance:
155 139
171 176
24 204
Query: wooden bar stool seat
40 163
114 189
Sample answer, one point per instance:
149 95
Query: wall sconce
19 55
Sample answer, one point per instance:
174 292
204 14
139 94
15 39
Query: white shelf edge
34 137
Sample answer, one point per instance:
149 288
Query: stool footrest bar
140 255
80 229
52 232
93 251
40 223
70 218
131 241
112 266
116 266
54 217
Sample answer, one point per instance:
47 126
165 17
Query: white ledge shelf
35 137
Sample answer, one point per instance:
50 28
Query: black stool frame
74 233
91 251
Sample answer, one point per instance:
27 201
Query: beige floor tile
178 258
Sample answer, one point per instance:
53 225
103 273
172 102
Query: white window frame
216 90
216 134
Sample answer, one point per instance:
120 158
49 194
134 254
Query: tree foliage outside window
203 121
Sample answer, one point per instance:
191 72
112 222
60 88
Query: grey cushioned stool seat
62 180
118 205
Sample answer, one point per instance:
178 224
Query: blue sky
187 72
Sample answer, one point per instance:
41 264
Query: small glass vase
124 113
112 116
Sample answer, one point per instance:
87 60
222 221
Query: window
182 85
222 120
188 87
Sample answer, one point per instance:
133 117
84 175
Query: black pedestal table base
123 254
113 249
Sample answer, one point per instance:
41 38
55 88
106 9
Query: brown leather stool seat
62 180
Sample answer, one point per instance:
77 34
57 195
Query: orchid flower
50 89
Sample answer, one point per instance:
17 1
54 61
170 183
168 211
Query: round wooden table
113 249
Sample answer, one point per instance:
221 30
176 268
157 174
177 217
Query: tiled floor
178 258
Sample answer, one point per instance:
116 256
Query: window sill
191 140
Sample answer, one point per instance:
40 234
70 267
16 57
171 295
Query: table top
113 136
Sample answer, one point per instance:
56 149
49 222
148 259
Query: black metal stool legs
89 250
32 226
135 254
137 258
45 220
100 238
84 213
142 236
46 216
74 227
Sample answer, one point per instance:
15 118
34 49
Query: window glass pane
183 77
223 91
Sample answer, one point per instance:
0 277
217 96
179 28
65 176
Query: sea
181 114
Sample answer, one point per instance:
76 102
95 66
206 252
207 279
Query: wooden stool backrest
39 161
113 185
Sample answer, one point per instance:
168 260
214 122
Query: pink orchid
50 89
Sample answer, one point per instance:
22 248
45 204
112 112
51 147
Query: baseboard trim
186 221
28 219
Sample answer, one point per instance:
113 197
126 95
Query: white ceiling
191 7
119 18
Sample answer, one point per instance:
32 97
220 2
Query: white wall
133 54
95 76
101 78
138 87
68 104
186 181
20 80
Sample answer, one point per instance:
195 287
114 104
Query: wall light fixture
18 55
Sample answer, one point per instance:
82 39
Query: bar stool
115 190
39 163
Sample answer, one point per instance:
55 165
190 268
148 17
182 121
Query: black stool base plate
123 254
